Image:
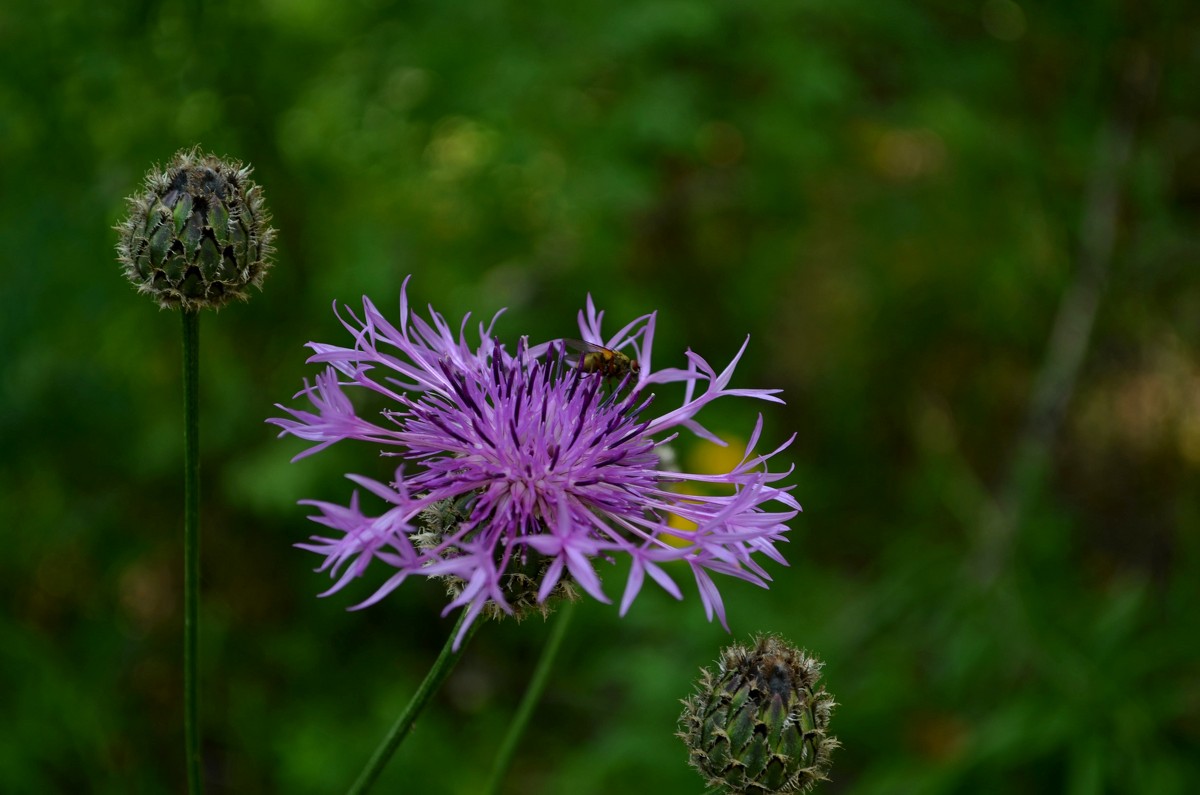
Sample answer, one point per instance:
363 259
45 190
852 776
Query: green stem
191 548
442 667
533 694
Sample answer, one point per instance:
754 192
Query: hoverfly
605 361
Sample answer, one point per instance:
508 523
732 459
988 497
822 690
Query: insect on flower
605 361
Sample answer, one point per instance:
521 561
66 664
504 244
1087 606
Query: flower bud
758 724
197 236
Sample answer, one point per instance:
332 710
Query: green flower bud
521 579
758 724
198 235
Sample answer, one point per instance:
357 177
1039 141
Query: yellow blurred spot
705 458
713 459
677 522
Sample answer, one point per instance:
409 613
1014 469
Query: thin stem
442 667
191 548
533 694
1069 338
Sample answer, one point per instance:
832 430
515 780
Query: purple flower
546 462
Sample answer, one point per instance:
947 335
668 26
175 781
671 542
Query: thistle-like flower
198 234
757 726
548 465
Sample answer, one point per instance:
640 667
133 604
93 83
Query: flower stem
533 694
191 548
441 669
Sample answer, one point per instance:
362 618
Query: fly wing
584 349
579 346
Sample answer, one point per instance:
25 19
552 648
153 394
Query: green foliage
887 197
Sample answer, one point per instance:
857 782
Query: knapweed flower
549 465
758 725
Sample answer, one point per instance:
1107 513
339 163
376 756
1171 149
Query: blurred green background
999 559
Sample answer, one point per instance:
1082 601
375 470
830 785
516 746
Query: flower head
549 465
758 725
197 236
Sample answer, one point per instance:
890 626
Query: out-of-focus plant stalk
441 669
1072 331
533 694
